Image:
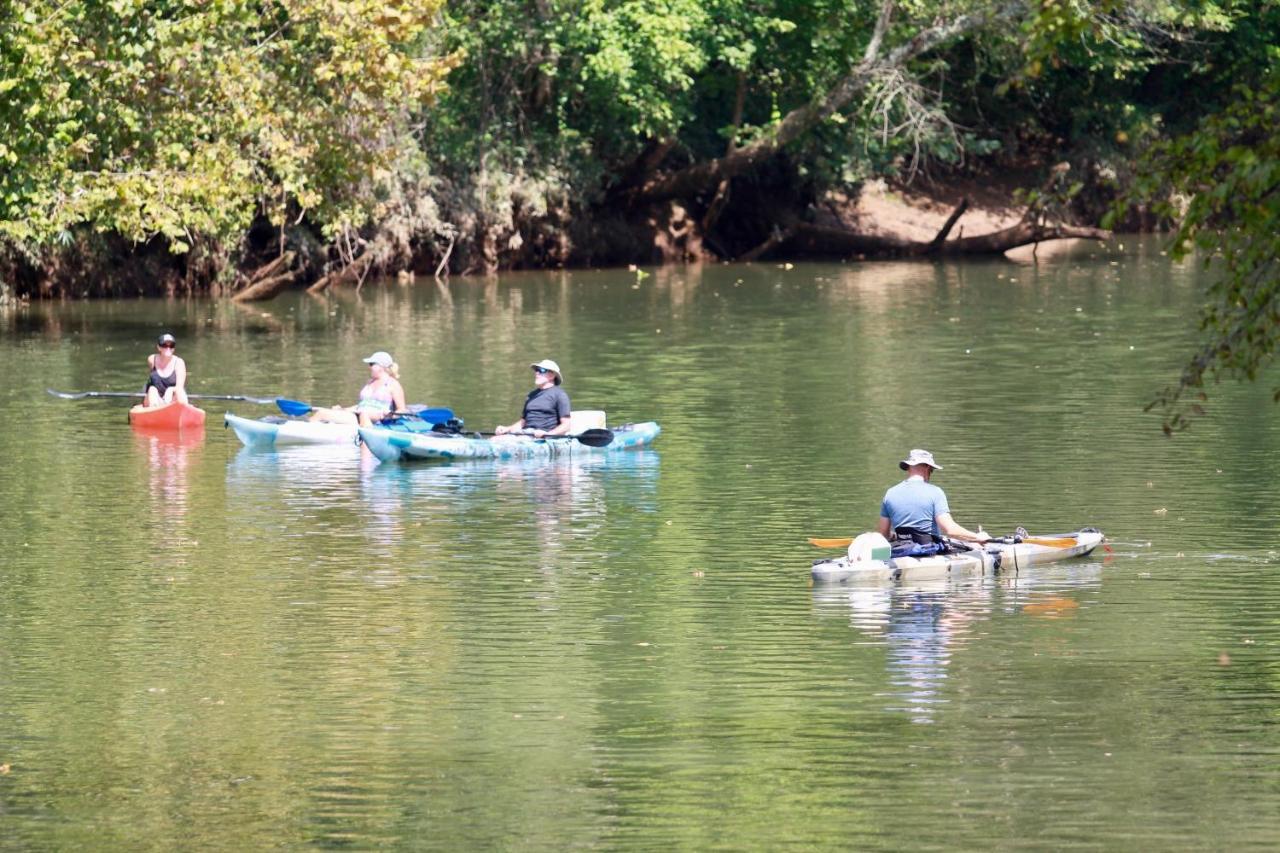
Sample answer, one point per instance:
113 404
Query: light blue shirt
916 504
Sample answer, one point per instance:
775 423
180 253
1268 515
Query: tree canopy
186 120
481 134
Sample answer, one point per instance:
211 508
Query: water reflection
924 624
413 520
168 456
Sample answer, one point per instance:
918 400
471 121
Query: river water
207 647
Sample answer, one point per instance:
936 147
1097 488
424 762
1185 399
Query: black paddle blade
596 437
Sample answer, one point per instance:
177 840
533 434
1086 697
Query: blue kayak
390 445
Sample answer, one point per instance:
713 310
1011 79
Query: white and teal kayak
991 558
274 431
390 445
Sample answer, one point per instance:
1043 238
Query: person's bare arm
949 527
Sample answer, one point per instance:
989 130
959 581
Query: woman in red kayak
381 395
168 379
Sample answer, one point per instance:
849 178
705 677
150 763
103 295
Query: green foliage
187 119
1225 182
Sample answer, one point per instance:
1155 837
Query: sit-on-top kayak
991 558
390 445
275 431
173 415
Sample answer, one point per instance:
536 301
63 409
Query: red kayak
173 415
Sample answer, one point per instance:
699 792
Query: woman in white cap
381 396
168 379
916 509
546 409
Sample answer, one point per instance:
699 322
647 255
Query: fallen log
777 238
268 280
265 289
827 240
356 270
272 267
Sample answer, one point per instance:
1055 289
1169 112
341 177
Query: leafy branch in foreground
1227 208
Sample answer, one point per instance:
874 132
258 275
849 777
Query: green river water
203 647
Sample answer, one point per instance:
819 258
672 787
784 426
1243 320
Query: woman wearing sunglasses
168 379
546 409
381 396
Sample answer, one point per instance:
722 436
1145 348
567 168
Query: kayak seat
908 548
581 420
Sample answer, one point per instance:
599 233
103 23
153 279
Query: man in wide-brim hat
916 509
546 409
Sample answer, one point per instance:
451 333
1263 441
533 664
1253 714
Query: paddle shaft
80 395
590 437
298 409
1051 542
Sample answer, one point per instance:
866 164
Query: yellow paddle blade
832 543
1064 542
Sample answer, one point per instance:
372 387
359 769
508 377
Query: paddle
1051 542
298 409
80 395
590 437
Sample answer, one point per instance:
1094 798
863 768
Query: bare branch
877 37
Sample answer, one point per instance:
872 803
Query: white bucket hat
919 457
548 364
380 358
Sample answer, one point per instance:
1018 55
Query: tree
185 120
1227 209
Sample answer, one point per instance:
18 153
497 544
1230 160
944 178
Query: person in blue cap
546 409
917 510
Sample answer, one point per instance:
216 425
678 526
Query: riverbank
879 218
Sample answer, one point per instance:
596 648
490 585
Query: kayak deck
390 445
275 431
171 415
992 558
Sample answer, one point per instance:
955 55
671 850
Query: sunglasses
541 370
167 346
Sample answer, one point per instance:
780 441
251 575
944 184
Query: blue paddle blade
293 408
436 416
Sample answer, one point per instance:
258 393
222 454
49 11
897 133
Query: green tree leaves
1220 184
186 119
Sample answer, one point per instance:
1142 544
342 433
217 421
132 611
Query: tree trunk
355 270
695 179
265 289
268 280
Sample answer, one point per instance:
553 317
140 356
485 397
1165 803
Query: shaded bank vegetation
244 147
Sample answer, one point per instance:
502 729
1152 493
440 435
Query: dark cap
166 338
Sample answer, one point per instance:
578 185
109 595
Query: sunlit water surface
203 646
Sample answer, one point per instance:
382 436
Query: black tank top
163 383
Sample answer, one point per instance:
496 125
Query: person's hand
500 430
539 433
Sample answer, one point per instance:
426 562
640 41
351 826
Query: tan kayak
991 558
